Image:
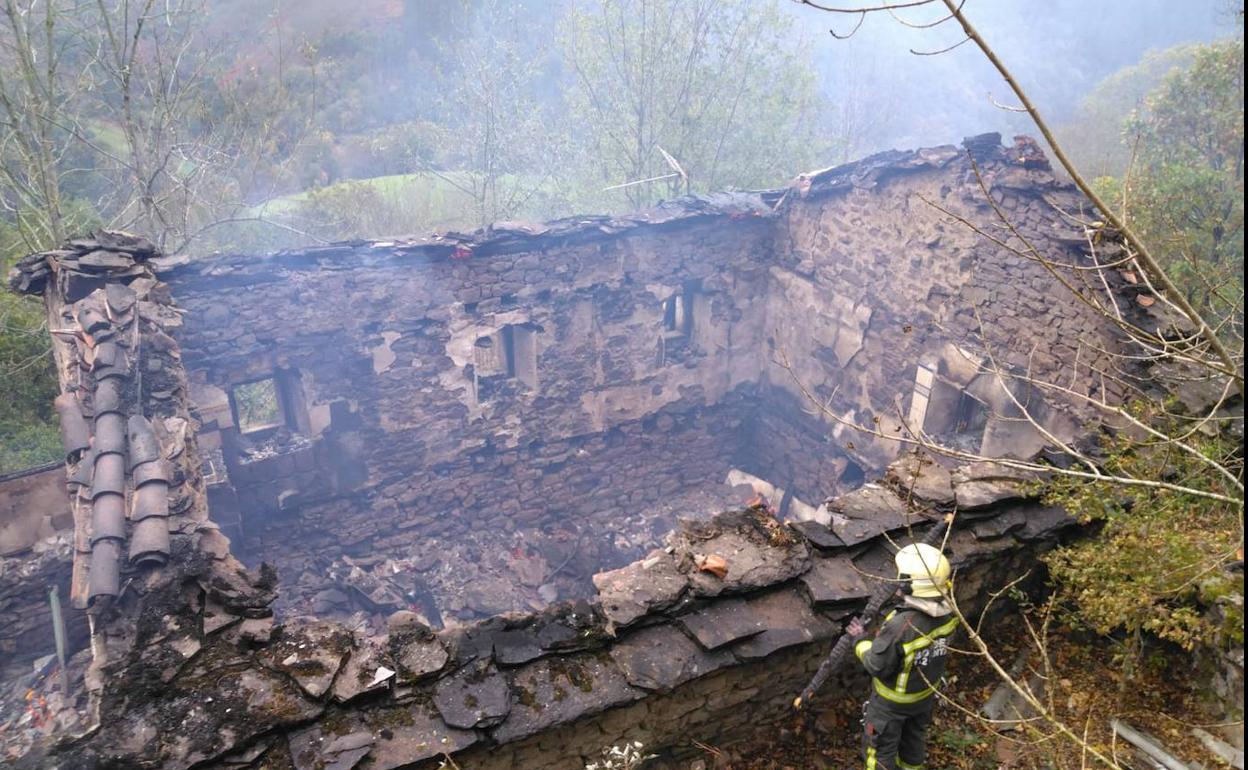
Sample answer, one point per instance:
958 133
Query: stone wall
25 579
880 272
36 527
581 373
546 377
32 507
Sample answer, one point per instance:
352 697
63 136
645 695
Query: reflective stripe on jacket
906 660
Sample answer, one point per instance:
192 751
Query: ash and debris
33 706
453 580
281 441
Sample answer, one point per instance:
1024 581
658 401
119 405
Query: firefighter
906 661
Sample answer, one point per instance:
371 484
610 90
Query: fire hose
880 596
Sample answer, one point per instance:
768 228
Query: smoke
1058 51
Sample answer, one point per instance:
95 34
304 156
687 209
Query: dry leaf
712 563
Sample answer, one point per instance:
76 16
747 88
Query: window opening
508 354
258 405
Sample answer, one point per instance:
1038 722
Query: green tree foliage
258 406
1176 164
1095 137
28 433
1188 195
508 143
717 85
1157 567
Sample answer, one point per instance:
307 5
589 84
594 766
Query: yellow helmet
926 568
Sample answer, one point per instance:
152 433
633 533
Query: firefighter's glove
856 629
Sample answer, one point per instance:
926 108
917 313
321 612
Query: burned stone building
454 465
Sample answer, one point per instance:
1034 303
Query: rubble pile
461 578
665 646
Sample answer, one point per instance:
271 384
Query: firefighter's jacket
906 660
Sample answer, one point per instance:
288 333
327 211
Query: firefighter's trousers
895 734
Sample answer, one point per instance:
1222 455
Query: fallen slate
972 495
633 591
312 749
818 535
216 618
721 623
517 646
555 691
922 477
99 260
984 484
999 526
475 696
1043 521
420 657
247 704
834 580
788 620
759 552
120 297
309 651
867 512
661 657
474 641
360 671
397 737
419 737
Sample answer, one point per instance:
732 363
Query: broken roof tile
149 541
75 434
110 434
143 446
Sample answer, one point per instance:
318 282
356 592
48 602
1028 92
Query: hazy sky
1058 49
